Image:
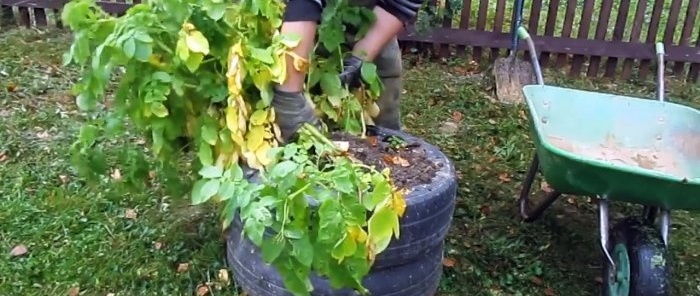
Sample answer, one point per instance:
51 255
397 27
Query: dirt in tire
408 163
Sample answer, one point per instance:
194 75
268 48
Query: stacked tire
410 266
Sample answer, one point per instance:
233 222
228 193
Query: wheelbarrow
616 148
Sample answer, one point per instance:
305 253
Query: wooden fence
611 38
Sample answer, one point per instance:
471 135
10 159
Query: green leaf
159 109
143 37
193 61
283 169
215 11
263 55
254 231
381 191
303 250
209 133
162 76
182 51
331 85
381 226
209 189
196 42
290 40
85 101
129 47
205 154
271 249
143 51
211 172
227 190
196 195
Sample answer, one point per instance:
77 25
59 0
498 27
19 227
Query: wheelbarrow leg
649 216
532 215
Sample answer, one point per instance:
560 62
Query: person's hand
292 110
351 75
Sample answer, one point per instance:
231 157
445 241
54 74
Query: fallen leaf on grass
504 177
116 175
182 267
448 262
43 135
110 294
19 250
11 87
223 276
395 160
3 156
130 214
75 291
549 292
485 210
544 186
63 178
457 116
537 281
157 245
202 290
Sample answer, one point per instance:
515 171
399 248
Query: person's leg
389 70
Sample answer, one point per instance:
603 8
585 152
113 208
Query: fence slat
57 15
498 24
549 28
690 15
672 22
444 50
464 22
634 36
584 26
651 36
600 34
480 25
40 17
7 17
24 19
566 29
618 33
694 71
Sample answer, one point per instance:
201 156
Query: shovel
510 73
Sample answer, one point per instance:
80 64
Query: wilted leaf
75 291
448 262
157 245
485 210
223 276
504 177
202 290
537 281
19 250
196 42
544 186
11 87
63 178
549 292
457 116
130 214
3 156
116 175
182 267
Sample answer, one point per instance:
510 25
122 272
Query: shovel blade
511 74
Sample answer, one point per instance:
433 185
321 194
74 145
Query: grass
150 242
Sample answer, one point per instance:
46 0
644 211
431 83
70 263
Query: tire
639 251
429 208
421 277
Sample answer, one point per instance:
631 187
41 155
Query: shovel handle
660 53
523 34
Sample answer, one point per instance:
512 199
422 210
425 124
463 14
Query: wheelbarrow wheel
641 261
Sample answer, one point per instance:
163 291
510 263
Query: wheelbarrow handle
660 53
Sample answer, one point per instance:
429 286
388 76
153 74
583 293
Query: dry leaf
504 177
485 210
448 262
372 140
151 175
537 281
110 294
158 245
75 291
401 161
3 156
19 250
549 292
116 175
343 146
457 116
130 214
223 276
11 87
182 267
544 186
202 290
599 279
63 178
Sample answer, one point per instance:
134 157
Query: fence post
7 18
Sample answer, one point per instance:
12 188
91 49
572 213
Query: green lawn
150 242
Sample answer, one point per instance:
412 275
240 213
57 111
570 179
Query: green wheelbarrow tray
617 147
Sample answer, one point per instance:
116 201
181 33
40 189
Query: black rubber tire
421 277
429 208
649 268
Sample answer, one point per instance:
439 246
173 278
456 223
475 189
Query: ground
150 242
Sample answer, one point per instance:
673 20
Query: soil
409 165
660 160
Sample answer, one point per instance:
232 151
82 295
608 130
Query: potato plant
203 71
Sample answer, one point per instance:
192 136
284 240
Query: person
379 45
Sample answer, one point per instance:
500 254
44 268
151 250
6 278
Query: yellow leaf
258 117
196 42
262 152
279 68
278 132
373 109
300 64
398 203
232 119
237 138
254 137
271 115
252 160
268 133
357 233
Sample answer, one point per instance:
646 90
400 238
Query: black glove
351 75
292 110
